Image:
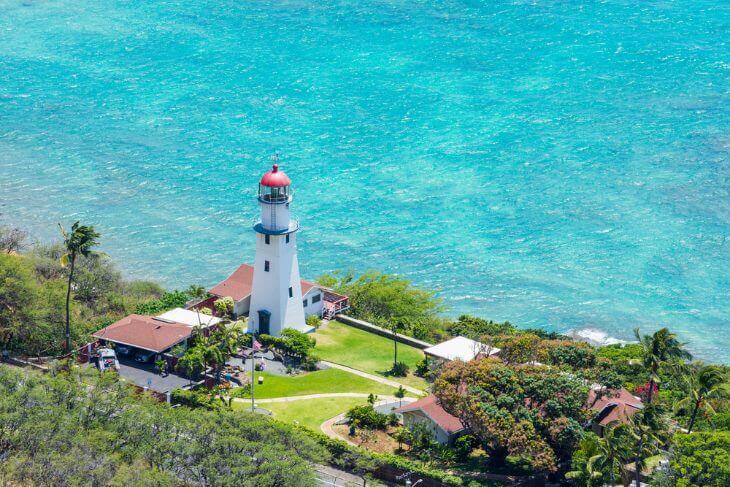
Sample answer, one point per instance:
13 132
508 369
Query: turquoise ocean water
560 164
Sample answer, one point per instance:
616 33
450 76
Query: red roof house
239 284
610 406
445 427
145 332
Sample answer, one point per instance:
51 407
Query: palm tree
659 348
643 426
79 240
198 293
395 327
400 393
703 383
610 454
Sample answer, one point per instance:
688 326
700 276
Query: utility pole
253 361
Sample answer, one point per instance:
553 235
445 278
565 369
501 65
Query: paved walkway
374 377
312 396
327 429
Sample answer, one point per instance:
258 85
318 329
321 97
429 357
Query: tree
382 299
585 473
395 328
520 349
192 363
196 291
702 384
612 452
84 428
657 349
18 292
12 240
79 241
526 416
400 394
701 459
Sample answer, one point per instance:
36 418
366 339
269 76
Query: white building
460 348
239 285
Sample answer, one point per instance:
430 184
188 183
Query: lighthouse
276 293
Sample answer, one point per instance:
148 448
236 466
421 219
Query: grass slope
365 351
320 382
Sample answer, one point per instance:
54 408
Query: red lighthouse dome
275 178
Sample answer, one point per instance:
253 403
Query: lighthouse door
264 318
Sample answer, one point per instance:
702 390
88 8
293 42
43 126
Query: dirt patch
374 440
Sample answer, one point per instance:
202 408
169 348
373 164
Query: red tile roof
614 405
238 285
145 332
430 407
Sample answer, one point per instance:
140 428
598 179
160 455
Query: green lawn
309 412
319 382
365 351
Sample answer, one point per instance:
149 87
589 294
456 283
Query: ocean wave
594 336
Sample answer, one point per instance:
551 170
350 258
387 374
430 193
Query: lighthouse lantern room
276 294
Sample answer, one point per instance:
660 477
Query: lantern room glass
270 194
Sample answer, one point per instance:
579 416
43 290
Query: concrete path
376 378
312 396
327 429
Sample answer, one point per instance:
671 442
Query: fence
364 325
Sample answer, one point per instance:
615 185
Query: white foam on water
594 336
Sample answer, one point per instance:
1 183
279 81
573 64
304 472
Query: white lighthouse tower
276 294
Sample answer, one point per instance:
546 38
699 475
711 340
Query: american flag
256 345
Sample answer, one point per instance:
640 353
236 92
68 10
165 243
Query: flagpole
253 360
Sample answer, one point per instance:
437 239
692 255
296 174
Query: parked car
123 350
144 356
107 359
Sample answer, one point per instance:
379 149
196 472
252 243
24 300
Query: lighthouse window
291 293
266 266
316 298
304 303
287 238
267 239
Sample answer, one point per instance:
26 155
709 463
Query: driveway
144 375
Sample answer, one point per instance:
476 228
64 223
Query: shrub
422 437
196 399
367 417
309 363
224 306
422 367
463 446
297 343
314 321
168 301
400 369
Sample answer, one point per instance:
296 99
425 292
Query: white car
107 359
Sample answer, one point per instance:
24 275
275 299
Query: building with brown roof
315 298
149 333
444 426
609 406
